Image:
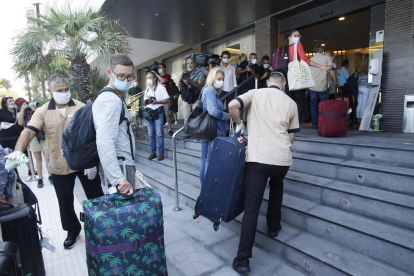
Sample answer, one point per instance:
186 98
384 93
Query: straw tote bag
299 73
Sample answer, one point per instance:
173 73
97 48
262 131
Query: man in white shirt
155 97
230 80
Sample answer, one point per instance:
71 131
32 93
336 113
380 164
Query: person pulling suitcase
273 123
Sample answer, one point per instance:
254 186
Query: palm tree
114 263
83 37
126 232
131 269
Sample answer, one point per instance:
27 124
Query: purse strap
295 56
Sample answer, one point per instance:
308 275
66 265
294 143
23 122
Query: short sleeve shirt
160 94
320 77
54 123
271 117
167 83
197 75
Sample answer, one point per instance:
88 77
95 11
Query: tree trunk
36 86
28 89
44 89
80 72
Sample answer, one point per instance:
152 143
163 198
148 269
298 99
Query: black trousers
64 185
255 183
299 96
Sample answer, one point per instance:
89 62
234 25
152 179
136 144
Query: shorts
38 146
167 114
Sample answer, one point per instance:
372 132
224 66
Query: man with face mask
264 71
164 79
190 89
54 117
245 69
155 97
230 80
134 89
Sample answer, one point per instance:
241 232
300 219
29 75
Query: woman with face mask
211 102
299 96
9 128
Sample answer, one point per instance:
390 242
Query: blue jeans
316 97
157 128
206 149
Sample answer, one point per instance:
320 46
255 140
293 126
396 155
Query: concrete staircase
347 209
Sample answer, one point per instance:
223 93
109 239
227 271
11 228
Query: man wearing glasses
114 136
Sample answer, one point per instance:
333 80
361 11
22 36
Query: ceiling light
202 24
341 18
323 44
156 14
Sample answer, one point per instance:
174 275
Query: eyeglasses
122 78
297 36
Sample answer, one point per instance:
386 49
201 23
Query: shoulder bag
299 73
200 124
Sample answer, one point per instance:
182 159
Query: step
367 236
384 177
185 172
382 205
186 156
390 154
313 254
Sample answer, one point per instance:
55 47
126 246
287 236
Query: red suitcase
333 118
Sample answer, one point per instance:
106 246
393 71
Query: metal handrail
237 87
174 145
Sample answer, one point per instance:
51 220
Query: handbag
150 114
299 73
16 193
202 126
140 181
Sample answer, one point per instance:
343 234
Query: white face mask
135 83
218 84
149 82
225 60
61 97
254 61
189 68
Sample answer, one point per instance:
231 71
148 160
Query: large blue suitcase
125 234
222 194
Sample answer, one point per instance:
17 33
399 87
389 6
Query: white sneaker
175 123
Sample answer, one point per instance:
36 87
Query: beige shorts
36 146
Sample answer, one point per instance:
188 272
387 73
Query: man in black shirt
264 71
245 69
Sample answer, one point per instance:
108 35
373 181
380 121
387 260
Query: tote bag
299 73
140 181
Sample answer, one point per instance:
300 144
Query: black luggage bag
19 225
10 261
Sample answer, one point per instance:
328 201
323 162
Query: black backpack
351 85
79 138
280 58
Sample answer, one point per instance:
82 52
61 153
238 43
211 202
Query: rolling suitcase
333 118
222 194
10 261
125 234
19 225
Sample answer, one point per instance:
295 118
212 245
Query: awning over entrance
194 21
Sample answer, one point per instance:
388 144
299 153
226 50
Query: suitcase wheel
216 226
196 215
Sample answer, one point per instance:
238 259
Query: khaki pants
187 108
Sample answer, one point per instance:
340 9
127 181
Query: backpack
351 85
280 58
79 138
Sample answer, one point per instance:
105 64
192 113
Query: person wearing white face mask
54 117
264 71
230 82
164 79
134 89
155 97
211 102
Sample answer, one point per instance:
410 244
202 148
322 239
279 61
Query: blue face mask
159 71
265 66
11 106
254 61
121 85
295 39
